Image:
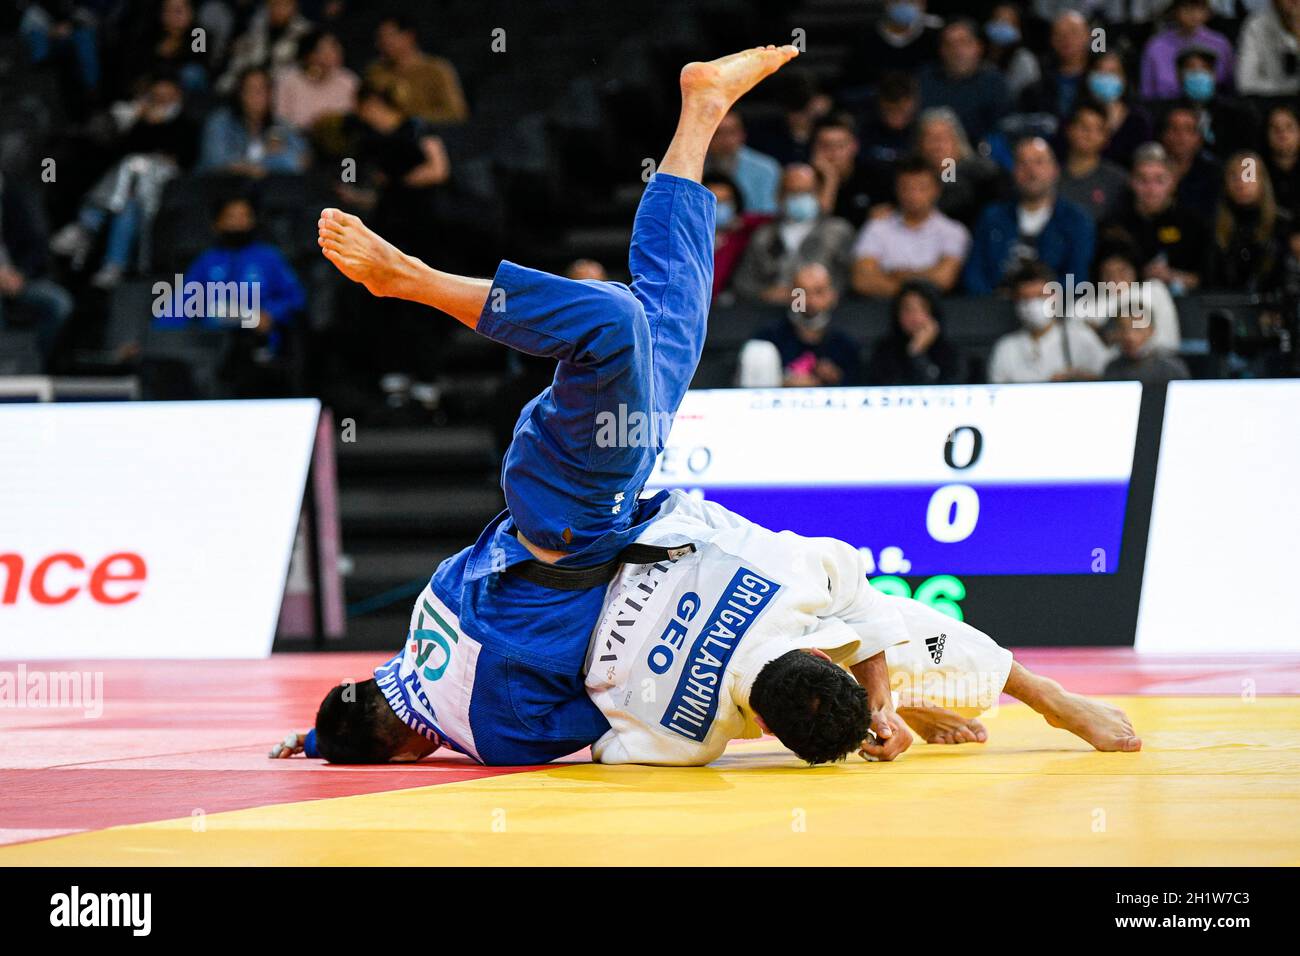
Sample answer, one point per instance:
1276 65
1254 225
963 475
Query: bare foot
935 725
717 84
1106 727
360 254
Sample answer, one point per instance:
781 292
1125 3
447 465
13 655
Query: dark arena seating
122 147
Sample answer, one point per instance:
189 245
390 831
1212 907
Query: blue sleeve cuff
309 744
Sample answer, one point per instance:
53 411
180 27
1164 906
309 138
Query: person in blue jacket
492 663
268 286
1036 226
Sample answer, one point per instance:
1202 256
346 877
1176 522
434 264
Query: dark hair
812 706
390 93
842 121
1086 106
914 164
896 87
363 729
233 195
722 179
926 290
308 42
1032 271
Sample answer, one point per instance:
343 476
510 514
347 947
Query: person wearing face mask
1128 124
1050 345
1006 52
1226 124
1139 359
801 233
734 227
812 351
237 256
904 37
1186 29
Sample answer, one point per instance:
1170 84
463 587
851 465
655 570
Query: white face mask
1035 314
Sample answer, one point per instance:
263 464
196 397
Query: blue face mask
1001 33
724 214
1198 85
903 14
1106 87
801 207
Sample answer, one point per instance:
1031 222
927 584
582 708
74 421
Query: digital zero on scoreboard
979 480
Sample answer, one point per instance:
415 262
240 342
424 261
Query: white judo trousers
678 644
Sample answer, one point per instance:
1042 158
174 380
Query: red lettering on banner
103 583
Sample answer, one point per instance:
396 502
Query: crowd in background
963 149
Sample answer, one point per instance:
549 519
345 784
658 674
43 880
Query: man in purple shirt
1160 80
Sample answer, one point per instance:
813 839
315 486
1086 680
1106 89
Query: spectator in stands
27 296
1006 50
1172 241
916 352
1051 346
734 228
155 141
1091 182
913 242
1037 226
846 184
889 132
963 82
1196 171
1226 123
1056 92
64 32
757 175
406 164
811 351
1118 271
1140 359
270 42
1128 125
899 42
1268 51
588 269
317 86
239 257
1248 226
1283 157
788 138
247 139
427 86
164 42
968 180
1161 79
802 233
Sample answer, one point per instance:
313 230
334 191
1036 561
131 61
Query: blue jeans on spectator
123 230
80 44
40 303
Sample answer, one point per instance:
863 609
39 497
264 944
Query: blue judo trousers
620 350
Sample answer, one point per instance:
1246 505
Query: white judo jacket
677 648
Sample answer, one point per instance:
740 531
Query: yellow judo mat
1217 783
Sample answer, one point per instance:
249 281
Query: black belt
597 575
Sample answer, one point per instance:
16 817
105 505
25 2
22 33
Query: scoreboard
975 499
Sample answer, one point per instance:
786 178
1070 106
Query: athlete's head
356 725
811 705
